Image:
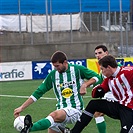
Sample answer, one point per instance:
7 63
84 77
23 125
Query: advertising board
15 71
93 63
40 69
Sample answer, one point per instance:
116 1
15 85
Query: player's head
59 61
108 65
101 51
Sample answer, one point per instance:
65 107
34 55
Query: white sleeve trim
96 79
34 99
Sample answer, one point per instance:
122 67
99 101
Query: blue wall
61 6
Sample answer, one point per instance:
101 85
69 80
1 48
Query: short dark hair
103 47
58 56
108 61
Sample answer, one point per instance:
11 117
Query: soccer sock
42 124
83 122
101 125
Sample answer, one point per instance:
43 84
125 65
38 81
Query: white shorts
72 115
109 96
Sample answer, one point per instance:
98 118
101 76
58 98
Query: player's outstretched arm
18 110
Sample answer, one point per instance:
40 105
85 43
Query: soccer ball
19 123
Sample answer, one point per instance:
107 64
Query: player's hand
17 111
83 89
98 92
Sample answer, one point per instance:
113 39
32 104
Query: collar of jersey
116 72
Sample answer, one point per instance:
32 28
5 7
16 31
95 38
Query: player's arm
22 107
86 84
99 90
91 76
100 80
42 89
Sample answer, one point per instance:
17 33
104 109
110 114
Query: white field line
15 96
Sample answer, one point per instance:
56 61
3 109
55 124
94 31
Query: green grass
39 109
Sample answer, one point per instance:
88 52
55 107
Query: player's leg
100 122
45 123
56 117
126 118
27 124
108 108
39 125
71 118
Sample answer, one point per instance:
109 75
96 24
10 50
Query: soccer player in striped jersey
120 82
66 81
100 52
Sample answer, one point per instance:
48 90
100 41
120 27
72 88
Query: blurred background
33 30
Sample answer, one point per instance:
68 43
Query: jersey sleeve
104 85
88 74
101 78
100 89
45 86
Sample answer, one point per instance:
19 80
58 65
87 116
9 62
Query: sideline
15 96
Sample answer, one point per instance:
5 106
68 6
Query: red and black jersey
121 85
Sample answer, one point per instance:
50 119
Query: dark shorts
113 110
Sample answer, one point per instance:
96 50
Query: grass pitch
14 93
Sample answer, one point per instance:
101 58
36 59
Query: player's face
99 53
106 71
60 67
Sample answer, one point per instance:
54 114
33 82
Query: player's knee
98 114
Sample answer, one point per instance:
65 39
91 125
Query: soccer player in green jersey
100 52
67 81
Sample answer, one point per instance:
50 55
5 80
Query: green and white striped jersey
66 85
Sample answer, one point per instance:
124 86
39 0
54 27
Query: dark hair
108 61
103 47
58 56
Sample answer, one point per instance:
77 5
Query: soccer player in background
119 80
101 51
66 81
